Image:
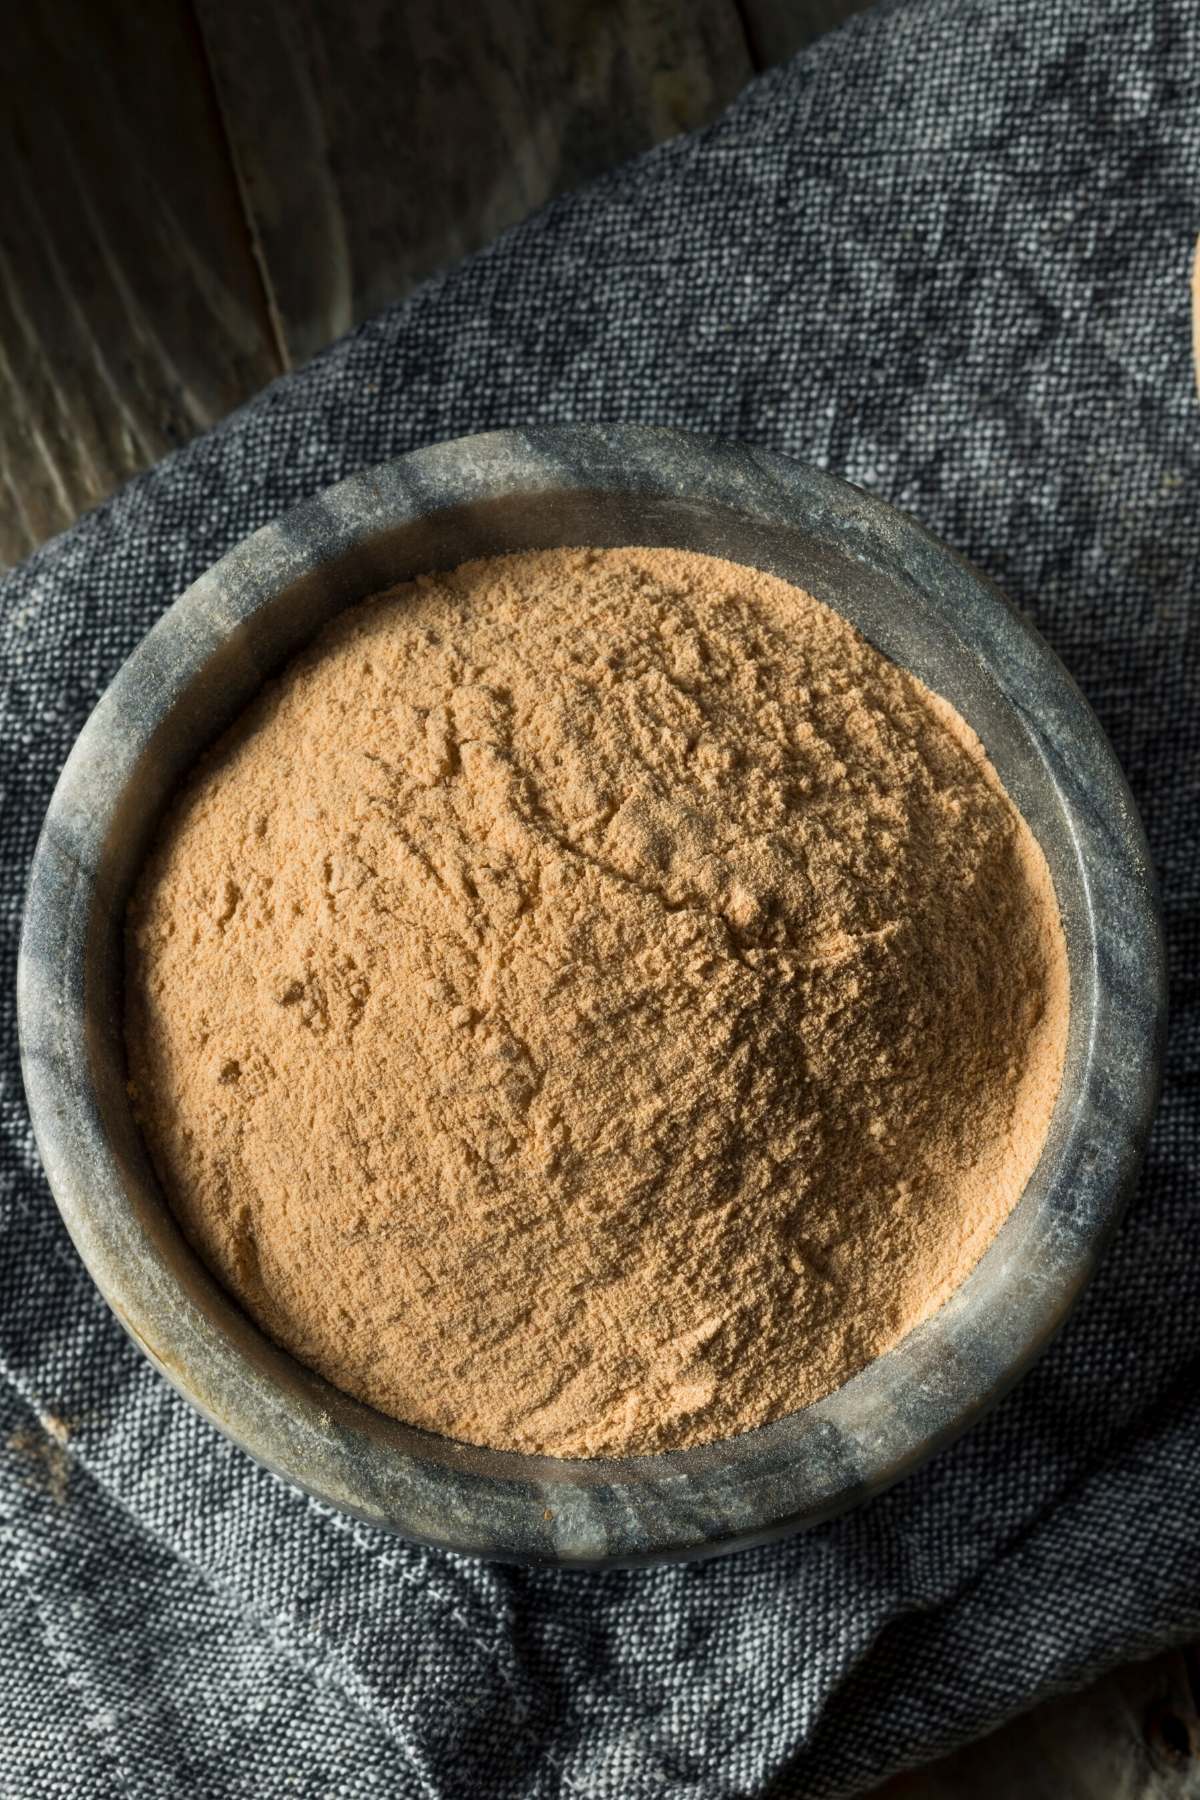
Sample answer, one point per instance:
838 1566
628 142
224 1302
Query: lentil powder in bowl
706 1008
592 1003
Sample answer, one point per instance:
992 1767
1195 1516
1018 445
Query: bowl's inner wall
861 582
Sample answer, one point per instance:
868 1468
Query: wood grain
131 311
1134 1735
378 143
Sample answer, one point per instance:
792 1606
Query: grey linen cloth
943 253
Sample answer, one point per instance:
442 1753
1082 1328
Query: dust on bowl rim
916 601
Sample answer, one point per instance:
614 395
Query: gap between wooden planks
131 311
197 200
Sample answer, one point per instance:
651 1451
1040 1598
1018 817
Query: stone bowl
920 604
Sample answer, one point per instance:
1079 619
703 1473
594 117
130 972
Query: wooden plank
378 143
778 28
1134 1735
131 311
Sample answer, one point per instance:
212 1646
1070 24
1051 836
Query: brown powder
594 1003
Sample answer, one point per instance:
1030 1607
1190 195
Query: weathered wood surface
162 258
1134 1735
187 211
131 311
378 143
776 29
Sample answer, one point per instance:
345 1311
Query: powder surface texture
593 1003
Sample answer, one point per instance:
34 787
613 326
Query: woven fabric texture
944 253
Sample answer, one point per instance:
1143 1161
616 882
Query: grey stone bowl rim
339 546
